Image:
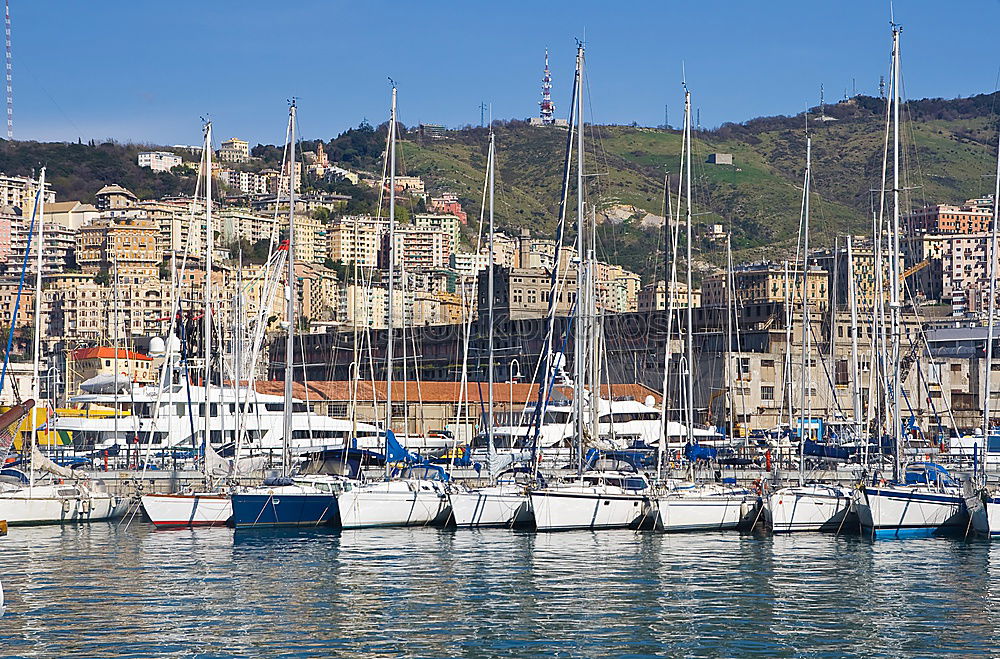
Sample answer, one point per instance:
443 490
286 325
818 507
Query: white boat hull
698 513
908 511
809 508
198 509
500 506
56 504
392 503
559 509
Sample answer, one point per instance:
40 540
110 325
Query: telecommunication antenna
10 87
482 114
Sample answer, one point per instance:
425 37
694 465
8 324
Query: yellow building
766 282
127 245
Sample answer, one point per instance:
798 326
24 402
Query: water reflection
103 591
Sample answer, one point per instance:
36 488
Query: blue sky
146 71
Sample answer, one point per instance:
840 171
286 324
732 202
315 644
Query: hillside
950 147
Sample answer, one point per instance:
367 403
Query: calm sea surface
108 591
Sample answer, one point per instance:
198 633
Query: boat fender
65 506
84 506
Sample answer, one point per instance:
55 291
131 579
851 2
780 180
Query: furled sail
41 463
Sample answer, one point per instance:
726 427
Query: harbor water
104 590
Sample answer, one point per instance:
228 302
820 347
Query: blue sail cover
826 451
929 473
396 452
697 452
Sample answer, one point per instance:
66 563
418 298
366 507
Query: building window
842 377
767 393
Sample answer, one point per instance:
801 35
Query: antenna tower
547 107
10 87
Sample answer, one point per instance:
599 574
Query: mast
672 233
690 301
894 302
491 164
786 385
37 340
392 272
852 300
992 308
580 334
804 296
547 374
290 308
207 303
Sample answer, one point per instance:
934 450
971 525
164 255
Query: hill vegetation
949 155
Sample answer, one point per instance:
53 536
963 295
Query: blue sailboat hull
285 509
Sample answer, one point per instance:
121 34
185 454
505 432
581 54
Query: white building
159 161
246 182
19 192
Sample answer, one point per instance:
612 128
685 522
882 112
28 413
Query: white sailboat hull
491 507
56 504
698 513
559 509
809 508
908 511
197 509
392 503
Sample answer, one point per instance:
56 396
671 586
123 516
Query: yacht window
635 484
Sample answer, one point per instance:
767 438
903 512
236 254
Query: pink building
448 204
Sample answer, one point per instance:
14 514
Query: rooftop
103 352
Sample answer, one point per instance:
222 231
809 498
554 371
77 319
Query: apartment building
974 216
655 297
159 161
235 150
19 192
250 183
766 282
126 245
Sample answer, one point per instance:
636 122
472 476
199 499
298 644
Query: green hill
949 157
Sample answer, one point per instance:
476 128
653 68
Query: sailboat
605 493
197 508
289 500
923 499
26 500
807 506
417 495
504 502
690 506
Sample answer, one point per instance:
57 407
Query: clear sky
146 71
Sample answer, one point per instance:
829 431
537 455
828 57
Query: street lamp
513 373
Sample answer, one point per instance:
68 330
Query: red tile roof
438 392
109 353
